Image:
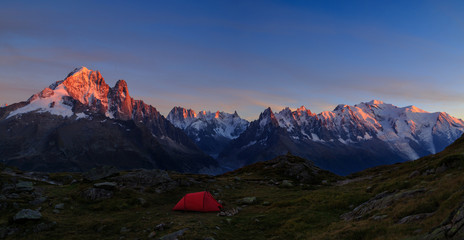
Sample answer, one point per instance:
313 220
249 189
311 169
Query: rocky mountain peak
267 117
87 86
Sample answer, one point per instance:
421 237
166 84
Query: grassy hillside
294 200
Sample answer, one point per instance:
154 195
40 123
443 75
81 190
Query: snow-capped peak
223 124
375 102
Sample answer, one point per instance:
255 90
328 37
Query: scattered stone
286 183
152 234
7 188
218 228
174 235
100 173
369 189
27 214
429 172
23 186
95 194
324 182
379 217
162 226
56 211
414 218
59 206
42 227
124 230
13 196
142 201
266 203
248 200
441 169
209 238
228 213
381 201
142 179
38 201
414 174
106 185
237 179
2 198
229 220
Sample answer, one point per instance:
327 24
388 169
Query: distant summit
211 131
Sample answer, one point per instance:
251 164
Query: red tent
199 201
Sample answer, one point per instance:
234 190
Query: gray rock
266 203
451 228
248 200
124 230
174 235
152 234
7 188
161 227
100 173
381 201
414 174
95 194
23 186
59 206
142 201
379 217
13 196
106 185
414 218
27 214
286 183
56 211
42 227
38 200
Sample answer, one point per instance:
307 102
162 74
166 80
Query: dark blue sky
242 55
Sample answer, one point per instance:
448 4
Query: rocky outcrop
452 228
379 202
27 214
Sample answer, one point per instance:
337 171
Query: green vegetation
309 208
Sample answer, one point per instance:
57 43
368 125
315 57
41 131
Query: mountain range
80 122
345 140
212 132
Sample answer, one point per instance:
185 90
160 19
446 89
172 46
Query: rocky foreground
284 198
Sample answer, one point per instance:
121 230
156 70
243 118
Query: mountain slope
84 108
210 131
348 139
284 198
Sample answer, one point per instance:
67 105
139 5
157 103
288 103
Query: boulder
174 235
38 200
95 194
59 206
27 214
106 185
286 183
23 186
248 200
